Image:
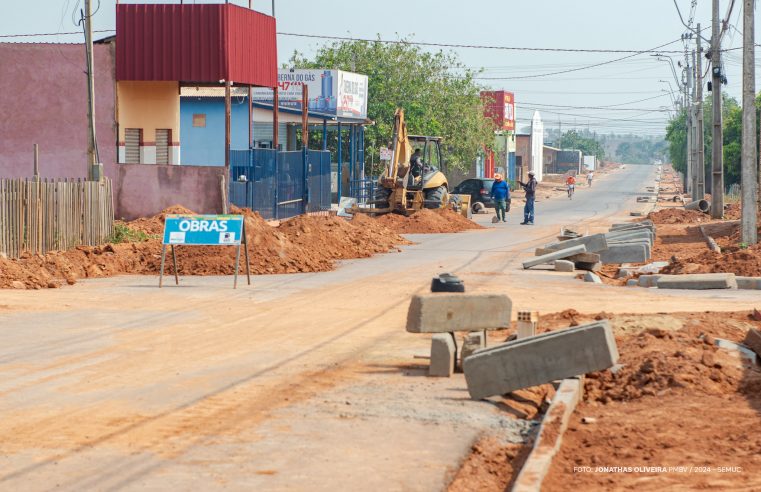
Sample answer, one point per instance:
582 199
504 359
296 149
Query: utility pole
695 129
688 117
717 174
699 190
94 168
749 162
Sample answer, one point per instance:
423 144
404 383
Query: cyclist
570 183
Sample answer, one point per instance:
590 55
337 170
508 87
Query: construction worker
500 193
530 189
416 163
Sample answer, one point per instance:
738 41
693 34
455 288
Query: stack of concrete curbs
540 359
630 242
444 314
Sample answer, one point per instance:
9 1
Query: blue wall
206 146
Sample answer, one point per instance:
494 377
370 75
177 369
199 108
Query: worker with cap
500 193
530 189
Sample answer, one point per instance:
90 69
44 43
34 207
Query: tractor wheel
380 197
436 197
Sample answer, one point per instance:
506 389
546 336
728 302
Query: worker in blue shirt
500 193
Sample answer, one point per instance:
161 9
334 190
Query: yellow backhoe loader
407 186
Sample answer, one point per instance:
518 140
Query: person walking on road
590 175
500 193
530 189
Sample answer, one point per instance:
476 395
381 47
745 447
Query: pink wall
43 96
142 190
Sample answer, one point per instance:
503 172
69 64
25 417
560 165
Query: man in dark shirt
530 189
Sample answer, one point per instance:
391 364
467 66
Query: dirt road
301 381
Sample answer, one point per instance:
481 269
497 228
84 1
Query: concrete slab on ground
698 281
445 312
540 359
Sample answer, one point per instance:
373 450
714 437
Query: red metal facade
195 43
500 107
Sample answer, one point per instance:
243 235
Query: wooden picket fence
38 216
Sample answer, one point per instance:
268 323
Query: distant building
499 107
537 145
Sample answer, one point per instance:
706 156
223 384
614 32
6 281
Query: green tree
589 146
436 101
643 151
676 136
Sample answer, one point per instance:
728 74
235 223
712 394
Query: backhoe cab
409 185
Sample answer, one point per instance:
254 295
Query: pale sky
584 24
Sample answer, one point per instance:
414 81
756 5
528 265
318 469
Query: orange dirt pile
743 262
678 216
490 465
677 400
732 211
303 244
428 222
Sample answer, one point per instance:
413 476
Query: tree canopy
435 100
589 146
676 136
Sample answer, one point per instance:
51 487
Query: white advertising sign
332 92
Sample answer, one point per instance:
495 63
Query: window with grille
163 141
132 139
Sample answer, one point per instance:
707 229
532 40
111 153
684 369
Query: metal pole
717 174
227 123
305 116
36 162
275 122
93 171
273 8
324 134
250 114
340 162
699 176
748 167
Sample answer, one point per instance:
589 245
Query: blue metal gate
279 185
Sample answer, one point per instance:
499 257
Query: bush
123 234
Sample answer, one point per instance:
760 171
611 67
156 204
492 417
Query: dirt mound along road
303 244
675 400
427 221
678 216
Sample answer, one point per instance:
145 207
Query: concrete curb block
550 436
698 281
557 255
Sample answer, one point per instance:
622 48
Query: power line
603 108
470 46
608 62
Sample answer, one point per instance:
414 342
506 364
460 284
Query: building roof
201 43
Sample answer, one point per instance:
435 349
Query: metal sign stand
244 241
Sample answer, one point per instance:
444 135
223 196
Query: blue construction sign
203 230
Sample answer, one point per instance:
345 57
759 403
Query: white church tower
537 146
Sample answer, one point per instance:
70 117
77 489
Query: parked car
479 190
